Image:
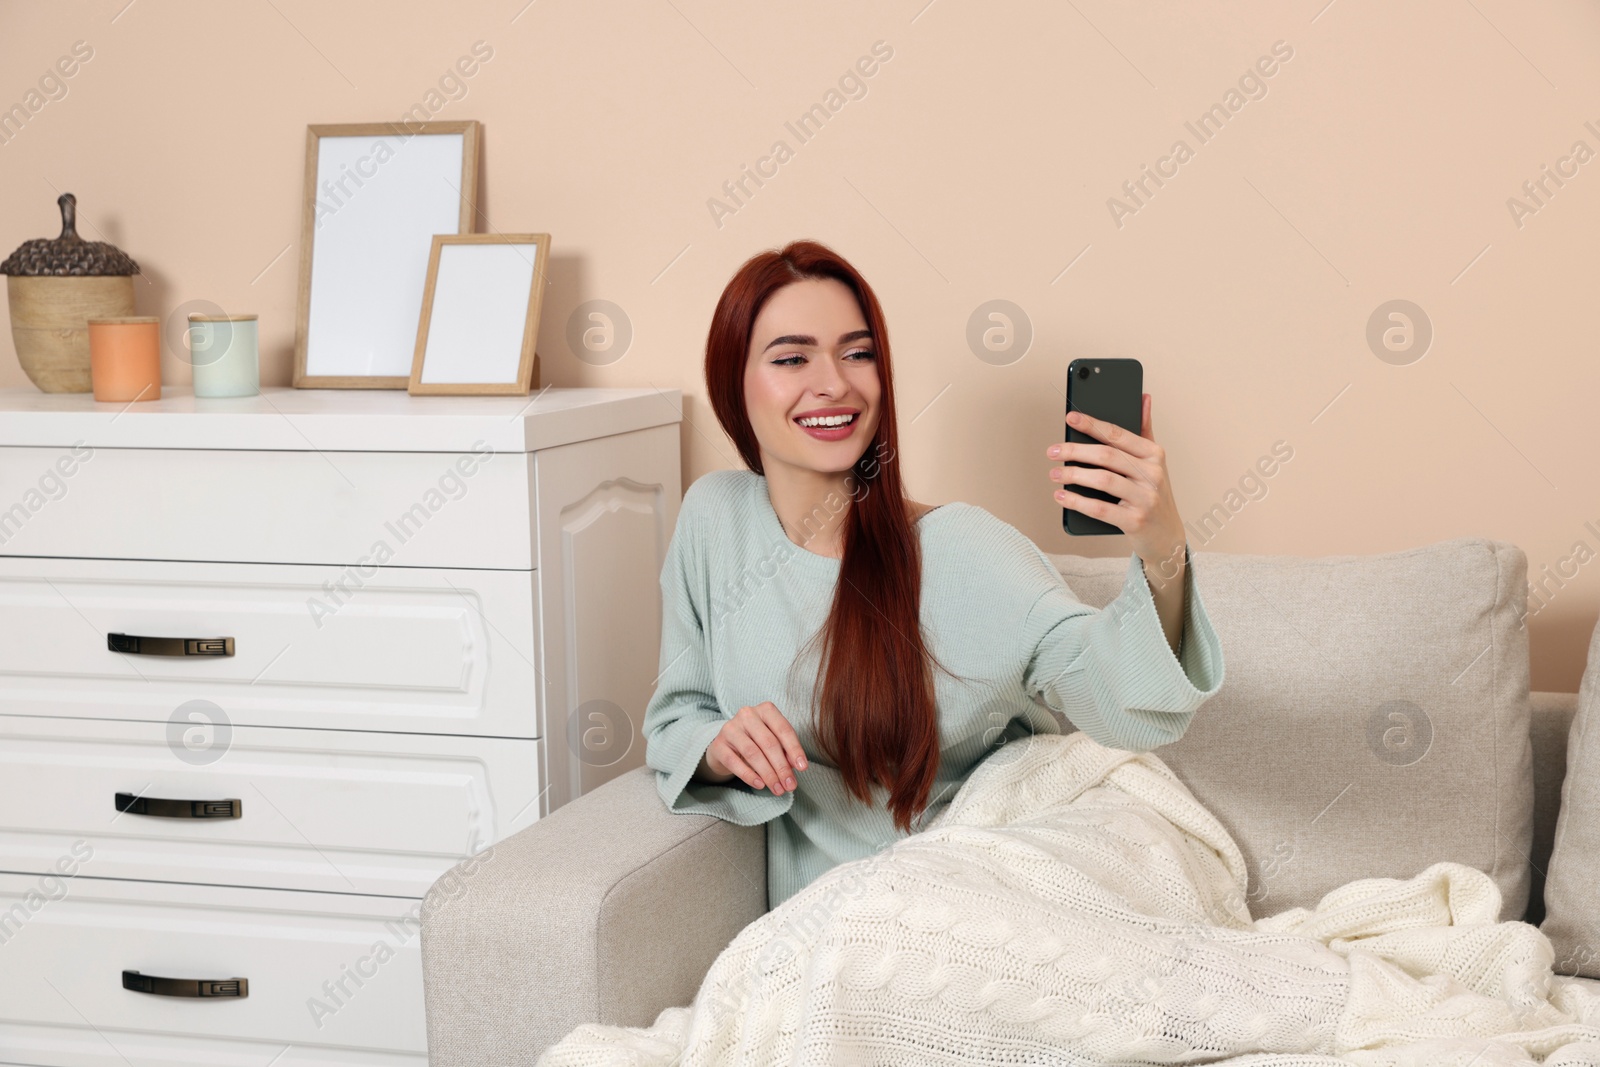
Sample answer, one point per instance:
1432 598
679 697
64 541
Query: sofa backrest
1374 715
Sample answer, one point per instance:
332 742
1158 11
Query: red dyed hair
876 716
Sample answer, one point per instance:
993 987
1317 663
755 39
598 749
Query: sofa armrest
607 910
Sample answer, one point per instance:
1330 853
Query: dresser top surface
282 418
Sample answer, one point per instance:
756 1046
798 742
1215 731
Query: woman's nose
827 378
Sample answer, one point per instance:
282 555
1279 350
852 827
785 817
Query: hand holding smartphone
1108 389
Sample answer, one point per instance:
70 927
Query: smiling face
811 353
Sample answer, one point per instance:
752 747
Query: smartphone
1108 389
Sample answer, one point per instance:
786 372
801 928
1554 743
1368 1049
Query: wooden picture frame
375 194
480 315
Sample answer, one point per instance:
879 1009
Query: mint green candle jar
224 351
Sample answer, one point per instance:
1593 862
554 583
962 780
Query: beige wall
977 165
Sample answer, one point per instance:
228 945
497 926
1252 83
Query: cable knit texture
1076 905
740 599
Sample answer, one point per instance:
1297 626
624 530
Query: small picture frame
375 194
480 315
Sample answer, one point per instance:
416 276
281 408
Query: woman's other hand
760 747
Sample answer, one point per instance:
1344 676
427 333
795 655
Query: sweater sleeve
1111 671
683 717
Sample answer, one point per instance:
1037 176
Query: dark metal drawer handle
179 809
185 987
170 646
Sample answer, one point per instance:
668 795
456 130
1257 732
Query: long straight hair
876 716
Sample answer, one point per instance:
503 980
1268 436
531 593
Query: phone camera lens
1083 372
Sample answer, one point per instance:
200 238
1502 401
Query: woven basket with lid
55 285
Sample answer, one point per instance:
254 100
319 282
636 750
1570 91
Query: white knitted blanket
1076 905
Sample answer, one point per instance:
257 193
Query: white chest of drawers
269 666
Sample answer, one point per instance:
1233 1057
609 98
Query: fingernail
789 782
802 763
1055 451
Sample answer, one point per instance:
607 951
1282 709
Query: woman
837 659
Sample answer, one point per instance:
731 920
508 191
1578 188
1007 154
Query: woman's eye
790 361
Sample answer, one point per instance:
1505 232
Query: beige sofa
1375 718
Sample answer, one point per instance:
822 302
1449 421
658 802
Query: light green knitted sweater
740 599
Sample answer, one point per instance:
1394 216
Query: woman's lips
832 433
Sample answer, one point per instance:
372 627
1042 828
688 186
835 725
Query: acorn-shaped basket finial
68 254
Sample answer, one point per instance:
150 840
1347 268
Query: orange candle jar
125 357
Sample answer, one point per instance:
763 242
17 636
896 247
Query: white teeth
827 420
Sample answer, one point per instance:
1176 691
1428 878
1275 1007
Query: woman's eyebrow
807 339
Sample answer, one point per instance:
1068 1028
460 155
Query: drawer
395 648
430 509
325 810
336 978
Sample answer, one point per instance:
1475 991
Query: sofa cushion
1550 717
1374 718
1572 884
